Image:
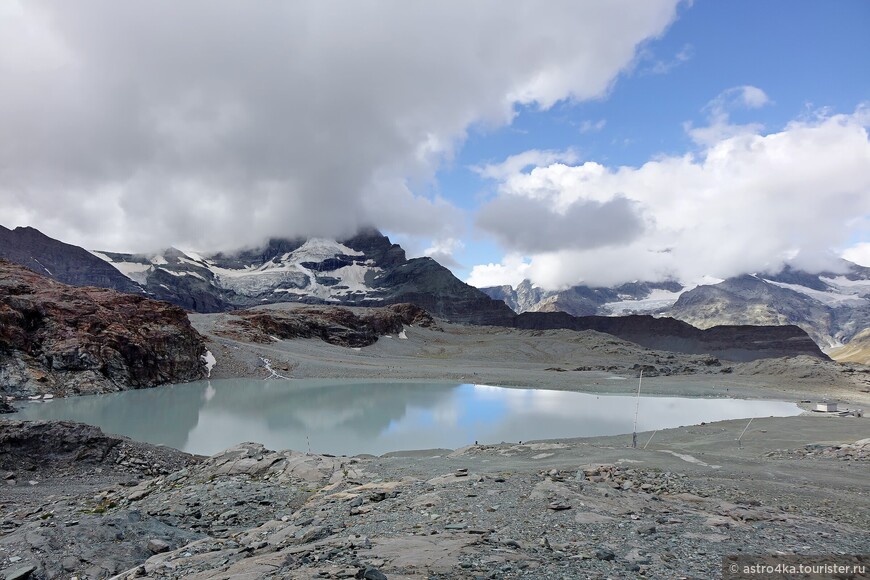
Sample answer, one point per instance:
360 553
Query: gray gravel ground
585 508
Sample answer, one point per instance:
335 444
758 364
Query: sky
565 142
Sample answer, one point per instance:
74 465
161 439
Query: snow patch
184 273
133 270
209 361
833 297
319 249
195 257
859 287
656 300
403 335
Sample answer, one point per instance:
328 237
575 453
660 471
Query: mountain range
831 307
368 270
364 270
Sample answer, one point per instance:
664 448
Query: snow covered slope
365 270
830 307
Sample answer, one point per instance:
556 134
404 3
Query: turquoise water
365 417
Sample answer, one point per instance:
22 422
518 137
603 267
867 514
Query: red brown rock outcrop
62 340
334 325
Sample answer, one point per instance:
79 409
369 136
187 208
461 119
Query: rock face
59 339
857 351
332 324
630 298
832 308
28 445
364 270
735 343
63 262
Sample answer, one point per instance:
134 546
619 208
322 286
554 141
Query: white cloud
512 270
859 253
444 250
215 124
592 126
745 203
521 161
661 67
719 126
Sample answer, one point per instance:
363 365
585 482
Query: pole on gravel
744 431
650 438
636 410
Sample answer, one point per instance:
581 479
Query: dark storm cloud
526 225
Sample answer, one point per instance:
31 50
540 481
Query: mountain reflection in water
364 417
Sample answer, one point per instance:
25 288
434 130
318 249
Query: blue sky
804 55
572 141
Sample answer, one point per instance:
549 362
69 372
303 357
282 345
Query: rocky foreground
97 506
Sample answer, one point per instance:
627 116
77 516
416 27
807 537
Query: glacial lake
353 417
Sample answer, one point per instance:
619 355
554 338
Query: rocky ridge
832 307
60 261
368 270
734 343
57 339
331 324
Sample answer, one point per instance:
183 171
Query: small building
826 407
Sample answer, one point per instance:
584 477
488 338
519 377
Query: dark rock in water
61 339
6 408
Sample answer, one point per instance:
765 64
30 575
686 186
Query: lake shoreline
346 417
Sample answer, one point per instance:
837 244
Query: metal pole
650 438
636 410
744 431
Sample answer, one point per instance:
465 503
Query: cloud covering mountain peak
217 124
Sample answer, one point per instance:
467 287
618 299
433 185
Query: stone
21 573
70 563
372 573
157 546
605 554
